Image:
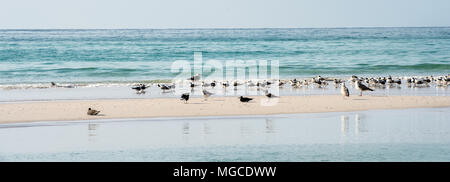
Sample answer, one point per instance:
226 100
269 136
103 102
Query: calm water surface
377 135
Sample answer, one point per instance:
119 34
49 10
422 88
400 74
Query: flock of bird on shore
362 84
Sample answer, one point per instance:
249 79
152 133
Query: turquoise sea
41 56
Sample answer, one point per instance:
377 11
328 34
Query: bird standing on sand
245 99
92 112
206 94
185 97
361 87
344 90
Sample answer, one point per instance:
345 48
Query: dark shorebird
206 94
391 81
293 82
268 94
361 87
166 87
53 84
418 82
235 85
213 84
140 87
409 80
225 84
245 99
382 81
427 79
195 77
318 81
185 97
344 90
320 78
192 85
92 112
337 82
281 83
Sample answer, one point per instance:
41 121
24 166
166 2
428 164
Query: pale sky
37 14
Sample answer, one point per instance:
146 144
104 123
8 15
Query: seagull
251 84
361 87
245 99
419 82
92 112
166 87
263 84
185 97
344 90
206 94
205 84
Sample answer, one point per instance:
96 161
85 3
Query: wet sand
214 106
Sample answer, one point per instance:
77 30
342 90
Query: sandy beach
215 106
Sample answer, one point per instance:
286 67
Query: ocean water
377 135
42 56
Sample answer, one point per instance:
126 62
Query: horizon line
199 28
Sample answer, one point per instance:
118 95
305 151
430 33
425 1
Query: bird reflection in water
344 125
92 131
270 128
360 125
206 129
185 129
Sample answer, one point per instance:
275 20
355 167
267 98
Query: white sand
215 106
